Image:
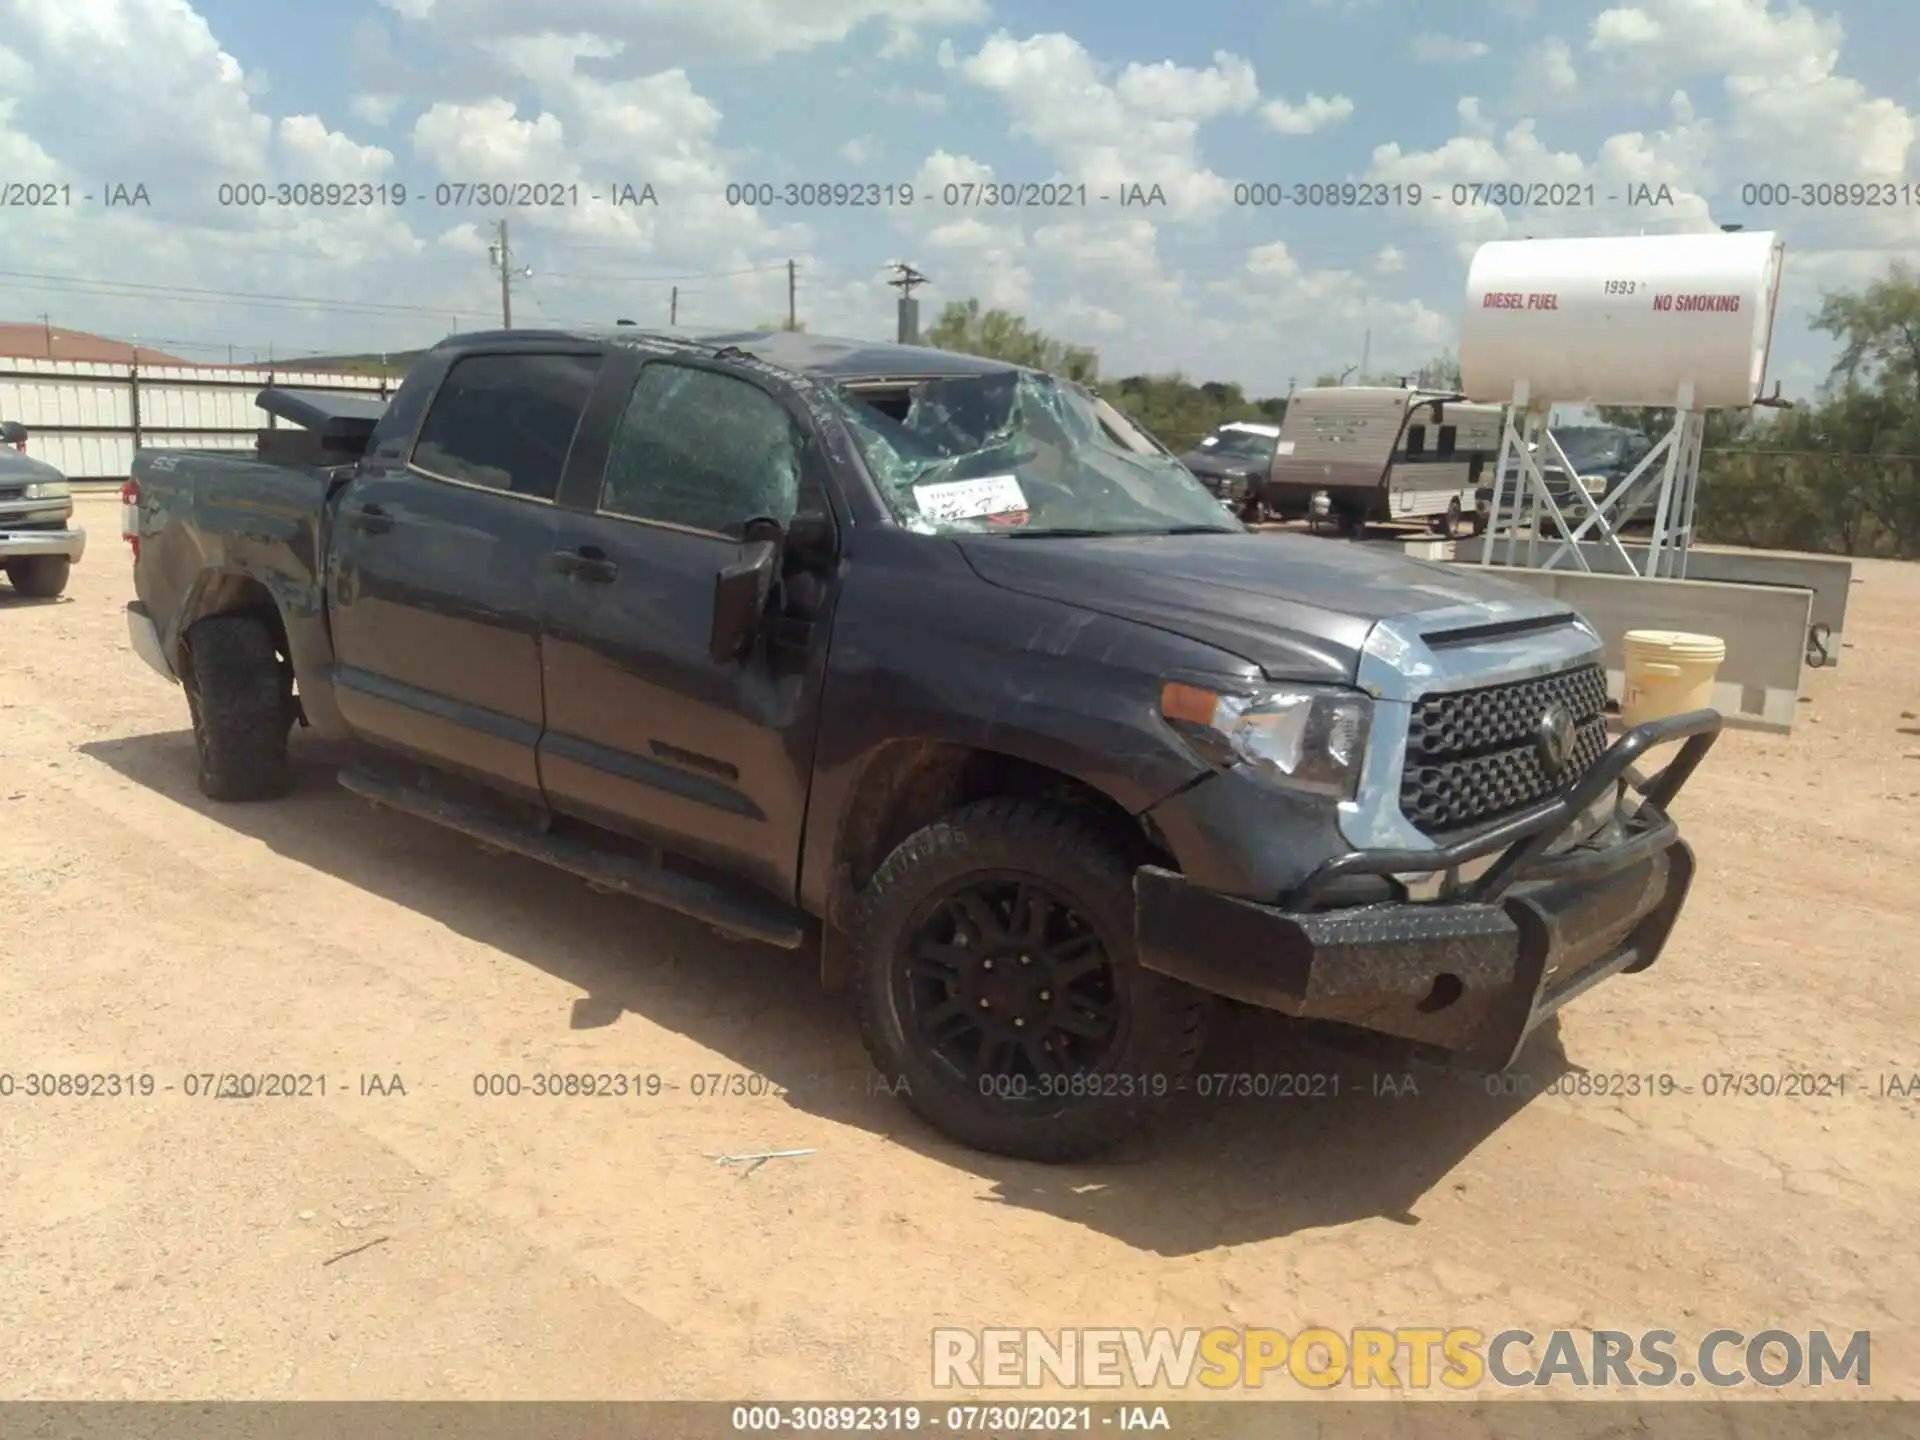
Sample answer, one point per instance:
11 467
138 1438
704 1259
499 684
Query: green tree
1001 335
1842 471
1442 372
1879 334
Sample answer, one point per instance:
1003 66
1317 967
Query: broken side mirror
740 594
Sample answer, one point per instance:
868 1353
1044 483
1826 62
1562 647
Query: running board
744 915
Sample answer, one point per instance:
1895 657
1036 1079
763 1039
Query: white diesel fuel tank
1622 320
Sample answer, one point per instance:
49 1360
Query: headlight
1303 737
49 490
1594 484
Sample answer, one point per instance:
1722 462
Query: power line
665 279
216 297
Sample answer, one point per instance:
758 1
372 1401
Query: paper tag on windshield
970 499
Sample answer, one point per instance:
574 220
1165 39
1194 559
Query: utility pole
793 317
673 308
501 254
46 322
1366 354
905 278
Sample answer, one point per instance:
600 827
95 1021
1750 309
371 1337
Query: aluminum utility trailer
1386 454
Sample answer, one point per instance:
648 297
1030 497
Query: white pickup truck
39 543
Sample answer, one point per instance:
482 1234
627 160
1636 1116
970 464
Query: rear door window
506 422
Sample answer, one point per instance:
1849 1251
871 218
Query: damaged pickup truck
935 668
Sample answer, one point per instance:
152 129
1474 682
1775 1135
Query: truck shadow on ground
1243 1162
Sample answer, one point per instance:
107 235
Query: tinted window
1416 439
394 433
507 421
1449 435
704 450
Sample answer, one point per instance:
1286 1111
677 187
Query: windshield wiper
1192 530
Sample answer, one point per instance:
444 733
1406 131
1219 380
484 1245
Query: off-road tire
40 577
241 704
1077 856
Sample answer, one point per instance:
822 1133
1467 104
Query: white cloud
1446 49
1389 260
1473 117
1618 29
861 150
943 168
930 101
1311 115
1140 128
374 109
1551 64
1751 92
168 107
489 141
1335 308
650 34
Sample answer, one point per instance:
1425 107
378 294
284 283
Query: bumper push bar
1473 974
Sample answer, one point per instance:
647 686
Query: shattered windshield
1021 453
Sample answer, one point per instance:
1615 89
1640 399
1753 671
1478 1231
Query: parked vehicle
1235 463
1357 455
39 543
1604 457
936 664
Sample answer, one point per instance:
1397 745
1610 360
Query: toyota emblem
1554 736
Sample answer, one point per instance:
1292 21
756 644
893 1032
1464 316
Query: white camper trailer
1375 454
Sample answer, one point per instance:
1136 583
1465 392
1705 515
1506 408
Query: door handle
587 563
370 518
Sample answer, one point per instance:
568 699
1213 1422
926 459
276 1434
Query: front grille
1471 756
13 492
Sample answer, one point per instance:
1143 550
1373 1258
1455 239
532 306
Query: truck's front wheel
40 576
999 993
241 704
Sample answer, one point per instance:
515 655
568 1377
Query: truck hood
1297 607
19 469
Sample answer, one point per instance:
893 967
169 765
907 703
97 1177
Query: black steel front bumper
1472 974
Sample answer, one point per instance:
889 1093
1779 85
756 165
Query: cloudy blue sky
1705 97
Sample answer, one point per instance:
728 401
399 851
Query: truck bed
215 512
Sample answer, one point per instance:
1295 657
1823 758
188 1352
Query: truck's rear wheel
997 980
241 703
40 576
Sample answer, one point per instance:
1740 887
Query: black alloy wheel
1005 983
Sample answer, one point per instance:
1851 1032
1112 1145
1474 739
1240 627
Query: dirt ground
171 1246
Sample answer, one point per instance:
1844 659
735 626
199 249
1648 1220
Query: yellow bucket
1668 672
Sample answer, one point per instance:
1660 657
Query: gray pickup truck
936 668
39 543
